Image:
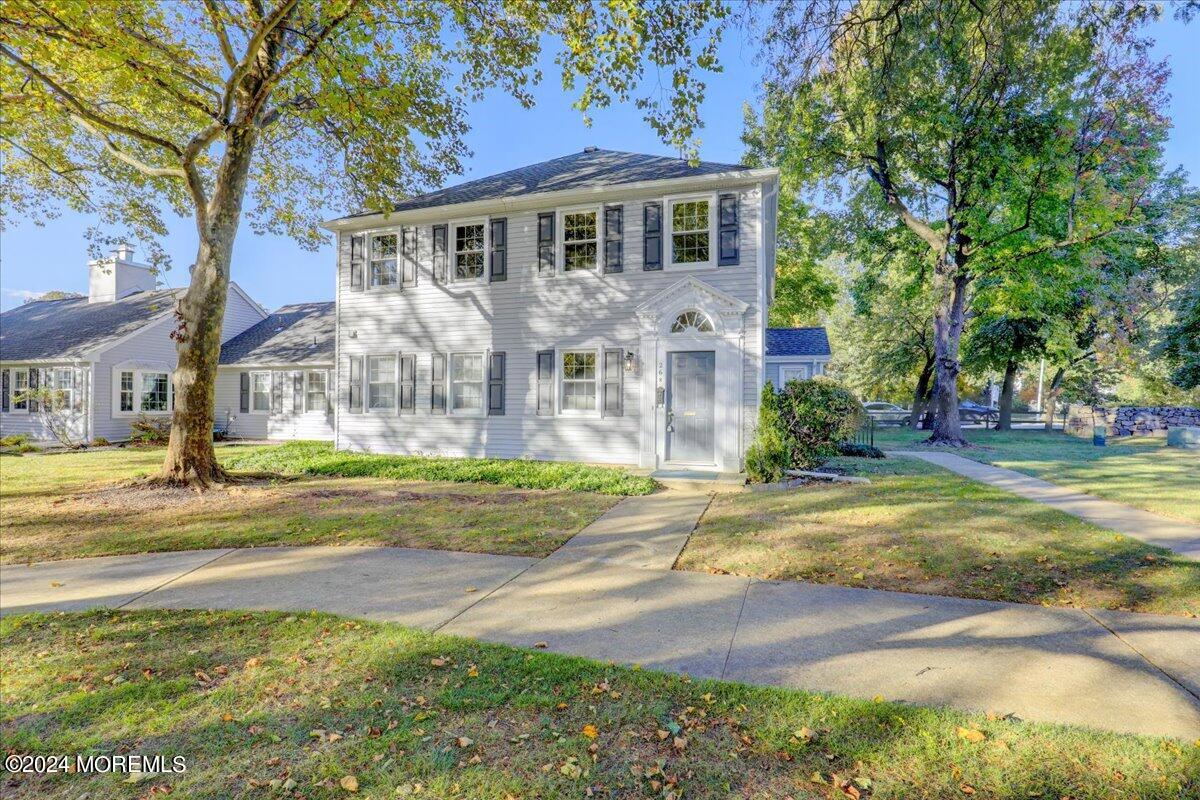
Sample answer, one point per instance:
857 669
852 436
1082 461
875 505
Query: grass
274 705
319 458
920 528
1141 472
74 505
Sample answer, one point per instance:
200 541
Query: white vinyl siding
521 316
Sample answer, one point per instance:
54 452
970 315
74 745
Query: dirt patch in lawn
132 517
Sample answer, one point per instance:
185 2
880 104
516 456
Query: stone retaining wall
1131 420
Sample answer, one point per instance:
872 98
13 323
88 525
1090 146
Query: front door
691 427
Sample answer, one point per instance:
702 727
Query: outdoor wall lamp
631 361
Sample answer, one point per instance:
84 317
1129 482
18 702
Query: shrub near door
818 415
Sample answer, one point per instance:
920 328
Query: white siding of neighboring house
289 424
31 424
814 364
521 316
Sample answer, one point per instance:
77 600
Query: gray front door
691 425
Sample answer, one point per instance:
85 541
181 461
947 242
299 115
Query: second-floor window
690 232
580 240
468 251
383 260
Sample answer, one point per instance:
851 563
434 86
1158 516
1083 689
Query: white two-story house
601 307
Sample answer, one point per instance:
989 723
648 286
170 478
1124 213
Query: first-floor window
579 380
20 387
260 391
466 382
381 383
800 373
155 394
315 390
468 251
60 381
126 391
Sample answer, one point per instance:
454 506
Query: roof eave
535 199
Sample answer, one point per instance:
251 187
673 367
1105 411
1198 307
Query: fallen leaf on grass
590 731
970 734
437 662
967 788
349 783
464 741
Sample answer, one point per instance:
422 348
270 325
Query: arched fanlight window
692 321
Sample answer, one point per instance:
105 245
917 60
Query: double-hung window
59 380
156 393
316 383
260 391
578 390
381 383
469 251
466 383
383 260
125 400
581 241
691 221
20 386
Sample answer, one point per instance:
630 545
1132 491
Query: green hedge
800 427
319 458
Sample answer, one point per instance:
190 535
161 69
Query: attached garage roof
797 342
296 334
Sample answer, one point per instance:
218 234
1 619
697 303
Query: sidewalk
610 594
1181 537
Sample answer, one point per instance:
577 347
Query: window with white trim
578 384
316 384
469 251
466 383
125 397
155 392
690 235
260 391
20 386
692 322
799 373
383 260
381 383
580 240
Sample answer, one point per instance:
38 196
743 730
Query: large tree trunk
1052 397
1006 397
948 319
921 395
190 454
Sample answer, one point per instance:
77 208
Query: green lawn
920 528
81 504
314 706
1142 472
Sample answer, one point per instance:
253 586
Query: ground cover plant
315 706
920 528
1138 471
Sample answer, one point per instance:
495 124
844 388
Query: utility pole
1041 377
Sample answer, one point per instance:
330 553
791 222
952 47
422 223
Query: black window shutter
245 393
612 383
408 257
545 382
437 384
439 253
408 384
358 244
652 236
276 392
498 260
297 392
4 390
613 244
727 229
546 243
496 384
34 381
355 399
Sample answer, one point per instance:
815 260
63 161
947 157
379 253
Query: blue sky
34 260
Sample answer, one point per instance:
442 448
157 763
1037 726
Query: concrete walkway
610 594
1182 537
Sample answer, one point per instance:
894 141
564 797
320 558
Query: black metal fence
865 435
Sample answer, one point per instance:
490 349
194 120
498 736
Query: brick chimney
118 276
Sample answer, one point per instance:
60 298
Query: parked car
970 411
887 413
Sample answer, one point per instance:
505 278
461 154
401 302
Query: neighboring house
796 354
275 379
110 353
602 307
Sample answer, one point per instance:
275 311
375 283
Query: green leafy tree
1004 343
994 132
277 109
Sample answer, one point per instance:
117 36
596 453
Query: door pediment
660 311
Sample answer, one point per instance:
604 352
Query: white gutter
541 199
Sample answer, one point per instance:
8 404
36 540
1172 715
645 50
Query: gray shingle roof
285 337
47 330
797 342
591 168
